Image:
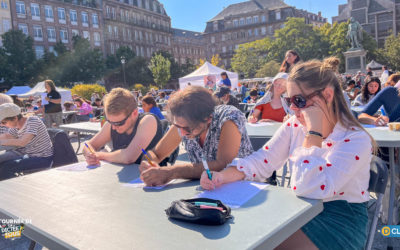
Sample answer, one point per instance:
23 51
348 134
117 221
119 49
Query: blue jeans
390 100
23 164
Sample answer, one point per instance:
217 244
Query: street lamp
123 61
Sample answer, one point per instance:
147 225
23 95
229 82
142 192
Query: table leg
392 197
79 142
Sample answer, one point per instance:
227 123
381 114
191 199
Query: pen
383 112
147 157
90 149
205 165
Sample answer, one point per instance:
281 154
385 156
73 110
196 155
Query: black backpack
64 153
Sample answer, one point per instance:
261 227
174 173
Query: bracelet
315 134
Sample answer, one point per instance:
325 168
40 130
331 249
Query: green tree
176 68
19 57
391 51
161 69
270 68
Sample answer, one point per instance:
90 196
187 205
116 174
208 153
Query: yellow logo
385 231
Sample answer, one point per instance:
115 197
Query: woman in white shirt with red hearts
328 153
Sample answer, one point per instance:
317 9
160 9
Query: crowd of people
327 149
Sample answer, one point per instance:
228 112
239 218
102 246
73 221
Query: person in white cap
30 137
4 99
272 107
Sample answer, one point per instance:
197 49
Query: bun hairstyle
316 75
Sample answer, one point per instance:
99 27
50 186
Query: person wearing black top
128 131
53 110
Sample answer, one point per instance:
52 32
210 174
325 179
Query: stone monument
355 56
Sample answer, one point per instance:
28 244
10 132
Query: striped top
40 145
3 130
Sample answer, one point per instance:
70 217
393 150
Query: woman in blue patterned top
216 133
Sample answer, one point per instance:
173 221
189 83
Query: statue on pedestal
354 34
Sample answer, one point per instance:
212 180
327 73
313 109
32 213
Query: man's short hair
253 92
224 74
118 101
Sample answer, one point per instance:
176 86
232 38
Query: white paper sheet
44 101
77 167
260 124
138 183
234 194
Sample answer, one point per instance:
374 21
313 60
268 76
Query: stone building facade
379 18
142 25
249 21
188 45
5 17
51 21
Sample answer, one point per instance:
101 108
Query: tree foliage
270 69
390 52
161 69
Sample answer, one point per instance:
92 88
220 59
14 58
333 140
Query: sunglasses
300 101
120 123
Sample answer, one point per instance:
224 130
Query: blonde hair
316 75
118 101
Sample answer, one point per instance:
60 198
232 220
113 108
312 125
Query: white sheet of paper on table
138 183
260 124
77 167
44 101
234 194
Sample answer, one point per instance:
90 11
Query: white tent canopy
207 72
39 89
374 65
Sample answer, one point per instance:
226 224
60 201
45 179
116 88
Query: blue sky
193 14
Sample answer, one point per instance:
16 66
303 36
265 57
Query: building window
115 31
236 46
24 28
4 4
114 16
248 20
263 19
127 16
235 23
213 39
112 48
48 12
223 37
37 33
278 15
51 34
95 20
6 25
241 22
263 30
249 32
85 19
75 33
39 51
20 8
215 25
108 13
61 15
96 37
86 35
64 36
223 49
51 50
35 11
255 32
270 30
122 15
74 17
255 19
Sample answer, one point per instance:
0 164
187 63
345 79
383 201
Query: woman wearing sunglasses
126 129
329 155
216 134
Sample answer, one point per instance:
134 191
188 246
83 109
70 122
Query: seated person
252 98
225 97
28 134
4 99
216 133
149 105
84 110
97 106
352 90
368 91
390 100
272 107
392 80
128 131
329 154
225 81
69 106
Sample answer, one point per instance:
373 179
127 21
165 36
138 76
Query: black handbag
186 210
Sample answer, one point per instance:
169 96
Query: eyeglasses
186 129
120 123
300 101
